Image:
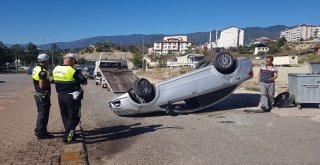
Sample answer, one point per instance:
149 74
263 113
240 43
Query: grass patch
252 88
309 58
185 70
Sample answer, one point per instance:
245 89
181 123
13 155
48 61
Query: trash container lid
314 67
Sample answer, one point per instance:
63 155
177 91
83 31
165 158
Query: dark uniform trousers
70 110
43 106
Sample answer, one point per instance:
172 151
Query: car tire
144 89
192 102
224 63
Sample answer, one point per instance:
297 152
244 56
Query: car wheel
144 89
202 64
224 63
192 102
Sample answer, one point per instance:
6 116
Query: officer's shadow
118 132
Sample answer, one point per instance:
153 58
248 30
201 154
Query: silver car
208 84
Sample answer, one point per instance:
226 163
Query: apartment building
300 32
171 44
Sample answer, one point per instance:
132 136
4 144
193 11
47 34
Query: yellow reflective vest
63 74
37 70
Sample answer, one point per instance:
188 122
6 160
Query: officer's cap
43 57
70 55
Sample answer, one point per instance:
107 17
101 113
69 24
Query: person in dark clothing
68 83
41 81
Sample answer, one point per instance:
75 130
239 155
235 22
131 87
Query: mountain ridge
250 33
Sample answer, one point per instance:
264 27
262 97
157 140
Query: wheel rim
224 60
144 87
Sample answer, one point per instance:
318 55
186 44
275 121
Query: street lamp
52 59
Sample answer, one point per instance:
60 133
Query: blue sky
46 21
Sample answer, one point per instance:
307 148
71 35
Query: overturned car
211 82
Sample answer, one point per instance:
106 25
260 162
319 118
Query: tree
17 53
84 61
105 46
273 48
233 49
189 49
31 54
137 59
281 42
5 56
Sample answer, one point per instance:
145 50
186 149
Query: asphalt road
18 114
224 134
13 86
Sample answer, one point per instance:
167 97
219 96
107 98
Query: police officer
68 85
41 81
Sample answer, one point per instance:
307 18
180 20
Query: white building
171 44
229 37
260 49
296 33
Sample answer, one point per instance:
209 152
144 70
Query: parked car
187 60
23 68
208 84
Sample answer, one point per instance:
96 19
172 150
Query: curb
75 153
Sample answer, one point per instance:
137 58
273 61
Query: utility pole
52 58
300 41
210 37
143 53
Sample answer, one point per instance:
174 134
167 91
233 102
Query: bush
137 59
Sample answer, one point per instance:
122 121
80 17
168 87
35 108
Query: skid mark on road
226 121
108 141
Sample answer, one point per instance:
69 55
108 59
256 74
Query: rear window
198 58
110 64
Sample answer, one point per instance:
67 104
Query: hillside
196 38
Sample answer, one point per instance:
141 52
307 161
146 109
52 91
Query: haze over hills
250 33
